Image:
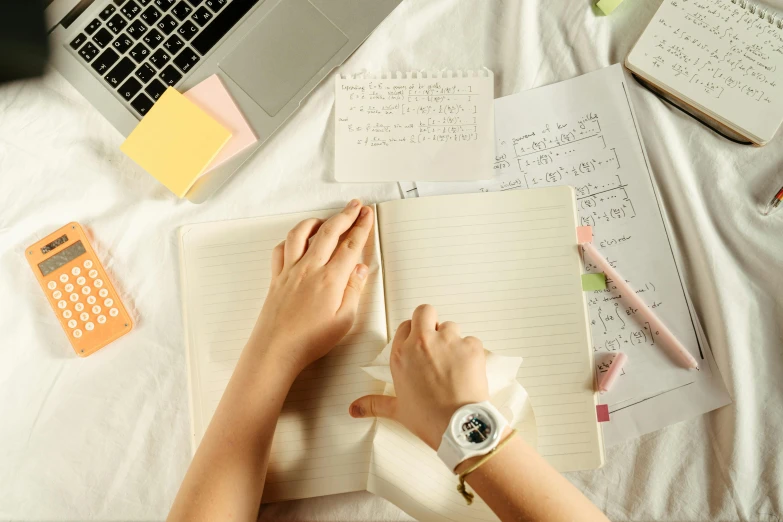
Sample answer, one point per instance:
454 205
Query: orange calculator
79 290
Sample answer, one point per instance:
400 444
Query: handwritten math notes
582 133
724 57
433 127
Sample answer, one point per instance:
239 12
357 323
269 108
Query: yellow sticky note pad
175 141
593 282
607 6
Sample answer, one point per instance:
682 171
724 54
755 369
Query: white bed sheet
106 438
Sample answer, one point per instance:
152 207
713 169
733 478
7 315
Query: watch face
474 428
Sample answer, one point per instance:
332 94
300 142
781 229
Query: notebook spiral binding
764 12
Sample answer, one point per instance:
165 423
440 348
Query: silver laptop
122 54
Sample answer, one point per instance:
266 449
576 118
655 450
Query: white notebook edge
691 102
191 361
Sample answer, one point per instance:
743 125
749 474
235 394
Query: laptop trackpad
282 53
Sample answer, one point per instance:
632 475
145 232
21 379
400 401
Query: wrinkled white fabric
107 437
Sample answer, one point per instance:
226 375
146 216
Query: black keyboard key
94 25
136 29
216 5
153 38
187 30
150 15
145 73
142 104
120 72
144 2
106 13
129 89
139 53
170 76
105 60
155 89
103 37
118 2
116 23
78 41
202 16
164 4
122 43
160 58
186 60
181 10
195 2
131 9
221 25
88 52
173 45
167 24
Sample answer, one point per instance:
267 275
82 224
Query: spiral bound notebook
720 60
417 126
505 266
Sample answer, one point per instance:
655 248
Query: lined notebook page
720 56
318 449
505 266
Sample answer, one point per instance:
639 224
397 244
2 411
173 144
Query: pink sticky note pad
602 412
212 97
584 234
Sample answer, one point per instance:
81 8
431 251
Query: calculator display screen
61 258
54 244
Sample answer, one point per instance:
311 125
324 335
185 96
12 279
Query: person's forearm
518 484
226 478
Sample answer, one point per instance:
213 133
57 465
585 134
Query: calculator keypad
76 293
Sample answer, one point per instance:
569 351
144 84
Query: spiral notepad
416 126
722 59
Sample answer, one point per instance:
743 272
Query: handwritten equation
414 127
716 47
404 113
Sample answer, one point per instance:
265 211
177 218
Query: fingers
277 259
374 406
349 251
296 241
353 290
450 328
325 241
403 331
424 319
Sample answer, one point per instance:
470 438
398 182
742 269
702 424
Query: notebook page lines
509 276
315 437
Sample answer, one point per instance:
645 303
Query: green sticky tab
607 6
593 282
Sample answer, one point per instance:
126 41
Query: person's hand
317 277
435 371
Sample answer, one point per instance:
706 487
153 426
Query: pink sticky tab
602 412
584 234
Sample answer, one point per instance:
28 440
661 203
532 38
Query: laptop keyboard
141 47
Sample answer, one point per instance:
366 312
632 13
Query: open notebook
505 266
719 60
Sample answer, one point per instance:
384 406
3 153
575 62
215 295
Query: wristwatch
473 431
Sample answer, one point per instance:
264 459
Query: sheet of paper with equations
582 132
416 126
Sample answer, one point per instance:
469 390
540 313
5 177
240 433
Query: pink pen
614 371
675 347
